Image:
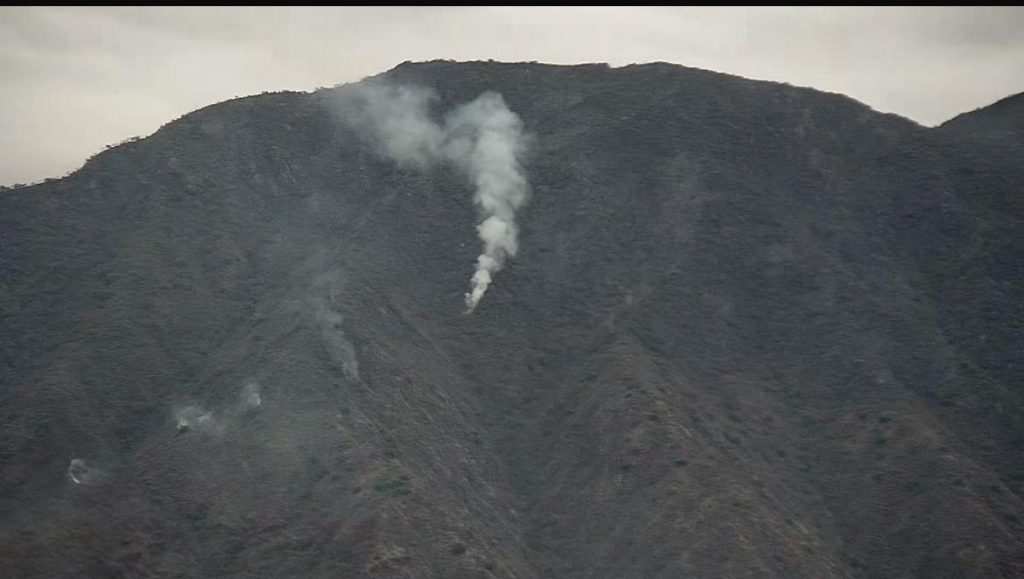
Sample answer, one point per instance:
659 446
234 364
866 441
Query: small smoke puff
251 396
78 472
193 418
81 473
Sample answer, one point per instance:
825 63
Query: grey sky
78 78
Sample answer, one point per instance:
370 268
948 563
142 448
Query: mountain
752 330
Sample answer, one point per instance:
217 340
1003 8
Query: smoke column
486 139
483 138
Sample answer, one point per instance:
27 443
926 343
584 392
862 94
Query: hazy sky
76 79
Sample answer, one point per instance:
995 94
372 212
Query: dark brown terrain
753 330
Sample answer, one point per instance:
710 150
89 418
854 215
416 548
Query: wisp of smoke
250 397
82 474
338 345
483 138
193 418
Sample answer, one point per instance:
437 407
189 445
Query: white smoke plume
486 139
483 138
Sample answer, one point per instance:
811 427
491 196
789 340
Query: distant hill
751 330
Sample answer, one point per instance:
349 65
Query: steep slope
752 330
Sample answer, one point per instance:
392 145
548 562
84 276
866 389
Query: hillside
751 330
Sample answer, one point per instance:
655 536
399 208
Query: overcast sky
78 78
